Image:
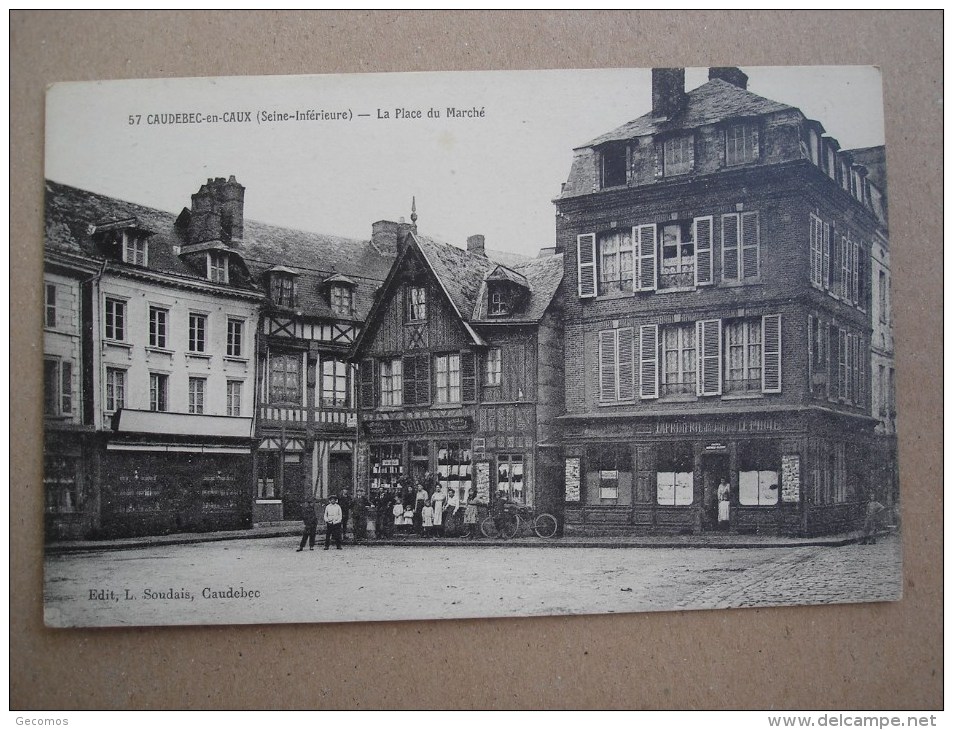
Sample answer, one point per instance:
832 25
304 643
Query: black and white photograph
404 346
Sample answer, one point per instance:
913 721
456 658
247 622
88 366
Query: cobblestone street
184 584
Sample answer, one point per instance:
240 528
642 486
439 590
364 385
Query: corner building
717 318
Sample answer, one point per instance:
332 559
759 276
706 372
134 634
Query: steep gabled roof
459 272
542 276
712 102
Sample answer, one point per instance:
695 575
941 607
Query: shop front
789 474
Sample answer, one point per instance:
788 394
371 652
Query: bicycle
514 519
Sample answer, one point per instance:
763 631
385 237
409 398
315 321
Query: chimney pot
668 91
733 75
476 243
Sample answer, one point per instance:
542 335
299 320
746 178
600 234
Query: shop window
454 467
268 482
198 330
218 267
115 320
680 360
158 392
220 493
678 155
675 476
741 144
197 395
740 246
758 467
510 477
335 383
386 465
493 367
158 327
233 397
115 389
609 465
61 483
614 164
234 336
285 378
416 303
50 302
392 386
447 379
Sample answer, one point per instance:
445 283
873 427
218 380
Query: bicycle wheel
510 527
488 528
544 525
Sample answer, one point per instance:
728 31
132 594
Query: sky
494 173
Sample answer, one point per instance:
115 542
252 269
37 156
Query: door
714 469
339 472
419 460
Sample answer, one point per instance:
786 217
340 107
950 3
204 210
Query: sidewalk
720 540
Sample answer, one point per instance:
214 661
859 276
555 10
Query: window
448 379
50 317
454 468
817 348
233 397
283 289
233 337
342 300
197 328
679 155
509 477
830 166
501 300
493 367
882 283
758 467
285 381
675 475
269 477
386 465
196 396
392 386
678 257
158 327
115 320
417 303
334 383
218 266
741 144
817 251
608 467
134 249
62 479
57 387
813 146
743 356
613 165
159 392
616 373
740 246
615 262
680 360
115 389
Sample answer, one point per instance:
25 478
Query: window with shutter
845 268
423 380
468 377
709 343
626 370
703 250
855 273
817 254
730 244
833 354
750 245
826 273
648 361
842 364
607 366
771 336
367 383
645 242
586 261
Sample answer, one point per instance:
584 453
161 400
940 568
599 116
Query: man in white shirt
332 520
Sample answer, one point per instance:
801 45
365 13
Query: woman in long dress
438 499
471 514
724 505
450 513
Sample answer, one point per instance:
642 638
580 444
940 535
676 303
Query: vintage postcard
459 345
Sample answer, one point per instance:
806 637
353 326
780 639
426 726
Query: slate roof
710 103
543 276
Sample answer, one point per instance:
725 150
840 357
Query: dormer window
281 286
134 249
416 303
501 301
678 155
342 300
614 165
218 266
741 143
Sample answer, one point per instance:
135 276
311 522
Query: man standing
360 516
310 518
345 503
332 522
385 516
871 518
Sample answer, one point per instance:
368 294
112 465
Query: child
427 518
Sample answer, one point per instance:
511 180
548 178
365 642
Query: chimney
731 74
218 212
476 243
668 91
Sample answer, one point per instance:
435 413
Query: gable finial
413 210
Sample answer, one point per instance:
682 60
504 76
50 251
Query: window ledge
742 396
268 501
118 343
610 403
232 358
448 406
615 295
676 290
199 355
732 284
160 350
686 398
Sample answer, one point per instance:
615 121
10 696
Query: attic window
613 165
501 300
282 289
218 266
342 300
679 155
741 143
134 249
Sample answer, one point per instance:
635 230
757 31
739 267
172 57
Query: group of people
336 519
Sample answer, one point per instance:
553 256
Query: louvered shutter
659 160
729 246
468 377
771 360
845 268
423 379
751 245
648 361
586 261
645 246
862 374
709 360
607 365
367 383
833 355
691 152
826 275
855 298
703 260
409 379
811 332
626 366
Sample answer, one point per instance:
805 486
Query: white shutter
771 349
855 292
648 361
586 261
703 260
750 245
864 402
643 238
626 366
845 268
730 238
811 328
607 365
816 253
709 356
826 275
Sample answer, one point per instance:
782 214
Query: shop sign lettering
418 425
739 426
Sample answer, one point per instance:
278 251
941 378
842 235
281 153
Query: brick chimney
731 74
668 91
388 236
218 212
476 243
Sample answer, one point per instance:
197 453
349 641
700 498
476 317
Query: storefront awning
181 424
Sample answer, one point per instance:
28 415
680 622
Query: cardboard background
852 656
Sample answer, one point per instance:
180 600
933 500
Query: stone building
461 372
717 315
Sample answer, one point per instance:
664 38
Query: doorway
339 472
714 469
419 460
